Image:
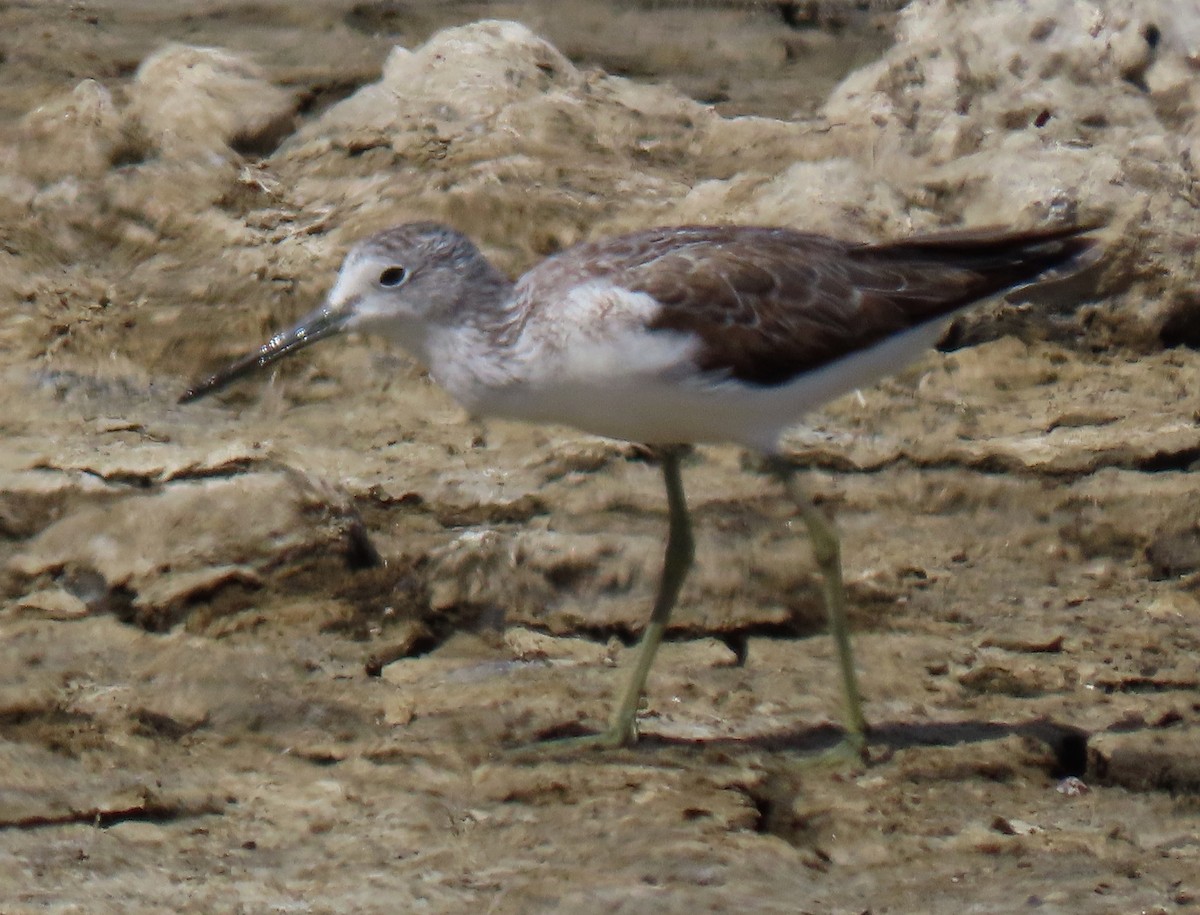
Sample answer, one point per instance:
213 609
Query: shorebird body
667 336
673 336
654 397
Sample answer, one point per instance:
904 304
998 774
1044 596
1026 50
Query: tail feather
944 272
998 259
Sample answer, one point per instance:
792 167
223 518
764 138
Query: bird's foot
616 736
850 751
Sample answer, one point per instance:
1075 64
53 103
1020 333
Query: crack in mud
150 812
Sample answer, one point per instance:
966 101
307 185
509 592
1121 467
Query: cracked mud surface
276 652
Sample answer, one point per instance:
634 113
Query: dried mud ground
319 714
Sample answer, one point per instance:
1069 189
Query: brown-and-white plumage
672 336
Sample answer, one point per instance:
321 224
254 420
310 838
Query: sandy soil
280 651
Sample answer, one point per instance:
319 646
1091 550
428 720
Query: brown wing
771 304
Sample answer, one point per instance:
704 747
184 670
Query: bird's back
770 304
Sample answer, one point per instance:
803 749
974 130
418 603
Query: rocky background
273 652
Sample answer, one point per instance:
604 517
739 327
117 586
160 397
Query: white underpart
592 364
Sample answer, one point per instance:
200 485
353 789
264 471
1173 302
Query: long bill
317 326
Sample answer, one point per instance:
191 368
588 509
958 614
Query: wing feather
770 304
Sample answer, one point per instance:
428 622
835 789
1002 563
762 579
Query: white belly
673 407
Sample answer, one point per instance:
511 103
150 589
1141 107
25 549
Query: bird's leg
827 552
622 726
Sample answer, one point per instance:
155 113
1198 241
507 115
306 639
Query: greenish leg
827 552
622 727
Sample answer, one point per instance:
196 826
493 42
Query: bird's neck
480 354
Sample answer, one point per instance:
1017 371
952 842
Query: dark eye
393 276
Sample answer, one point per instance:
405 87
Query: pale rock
196 103
71 136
